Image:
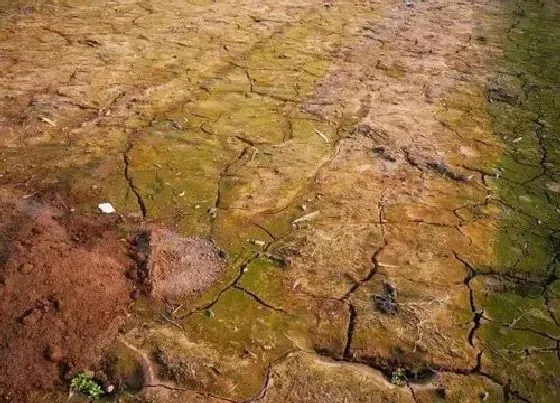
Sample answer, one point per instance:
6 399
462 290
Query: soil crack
130 181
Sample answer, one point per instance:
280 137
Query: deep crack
350 332
130 181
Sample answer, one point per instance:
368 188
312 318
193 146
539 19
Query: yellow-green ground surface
383 175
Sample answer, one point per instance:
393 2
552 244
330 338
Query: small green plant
398 377
84 384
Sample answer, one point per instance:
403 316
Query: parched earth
316 201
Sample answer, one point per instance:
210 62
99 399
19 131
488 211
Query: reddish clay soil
63 293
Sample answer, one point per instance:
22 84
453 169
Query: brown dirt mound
63 294
180 266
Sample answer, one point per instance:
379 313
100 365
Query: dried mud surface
381 175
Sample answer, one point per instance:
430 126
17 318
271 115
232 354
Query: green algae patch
176 177
524 117
241 331
530 199
326 320
515 164
517 306
525 254
529 126
269 280
237 320
237 232
524 359
518 344
517 172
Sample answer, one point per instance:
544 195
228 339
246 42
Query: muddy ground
347 201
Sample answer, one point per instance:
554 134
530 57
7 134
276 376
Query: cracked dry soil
349 190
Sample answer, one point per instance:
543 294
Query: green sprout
84 384
398 377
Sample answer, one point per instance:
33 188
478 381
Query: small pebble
26 268
54 353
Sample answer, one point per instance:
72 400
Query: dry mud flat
350 201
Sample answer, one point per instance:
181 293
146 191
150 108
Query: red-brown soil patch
63 293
